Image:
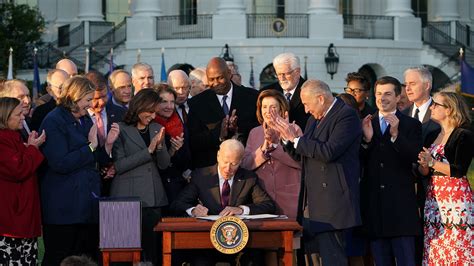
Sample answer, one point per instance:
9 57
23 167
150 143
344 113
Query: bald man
55 79
224 111
68 66
179 81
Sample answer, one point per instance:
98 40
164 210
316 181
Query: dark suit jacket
245 190
296 112
388 201
40 113
115 114
204 122
330 177
428 125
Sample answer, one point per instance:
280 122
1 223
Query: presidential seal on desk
229 235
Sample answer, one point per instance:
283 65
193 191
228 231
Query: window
187 12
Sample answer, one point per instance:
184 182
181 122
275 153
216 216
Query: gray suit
137 169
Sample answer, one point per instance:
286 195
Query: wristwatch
431 163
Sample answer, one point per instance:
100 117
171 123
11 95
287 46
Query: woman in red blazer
20 220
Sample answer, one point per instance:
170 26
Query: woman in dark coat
176 139
71 184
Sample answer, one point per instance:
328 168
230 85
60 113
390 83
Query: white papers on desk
246 217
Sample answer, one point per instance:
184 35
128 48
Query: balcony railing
111 39
270 26
442 26
464 35
177 27
368 27
97 29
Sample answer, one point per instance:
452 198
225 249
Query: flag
467 78
305 68
111 62
10 65
36 78
86 65
163 68
252 80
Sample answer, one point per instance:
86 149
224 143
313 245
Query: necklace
143 131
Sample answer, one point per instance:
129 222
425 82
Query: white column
90 10
231 7
324 21
446 10
399 8
147 8
322 7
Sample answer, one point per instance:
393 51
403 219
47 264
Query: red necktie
225 194
100 128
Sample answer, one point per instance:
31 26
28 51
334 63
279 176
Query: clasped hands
156 144
286 130
424 158
229 125
35 139
200 210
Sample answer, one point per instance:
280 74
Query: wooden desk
192 233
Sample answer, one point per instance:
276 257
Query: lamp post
332 60
226 54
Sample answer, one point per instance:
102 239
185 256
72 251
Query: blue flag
36 78
467 78
252 80
163 68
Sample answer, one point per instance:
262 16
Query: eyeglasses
439 104
355 91
287 74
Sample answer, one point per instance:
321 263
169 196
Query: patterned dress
449 219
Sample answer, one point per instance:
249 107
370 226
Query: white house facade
375 37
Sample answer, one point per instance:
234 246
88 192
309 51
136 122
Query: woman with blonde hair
20 219
449 207
71 184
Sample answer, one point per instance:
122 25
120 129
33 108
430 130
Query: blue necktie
288 96
225 107
383 125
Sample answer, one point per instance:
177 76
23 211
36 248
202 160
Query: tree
21 27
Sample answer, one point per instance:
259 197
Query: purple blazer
280 175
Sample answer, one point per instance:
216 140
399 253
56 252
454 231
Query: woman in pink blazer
280 175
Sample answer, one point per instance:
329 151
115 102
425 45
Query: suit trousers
61 241
151 240
402 248
331 247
